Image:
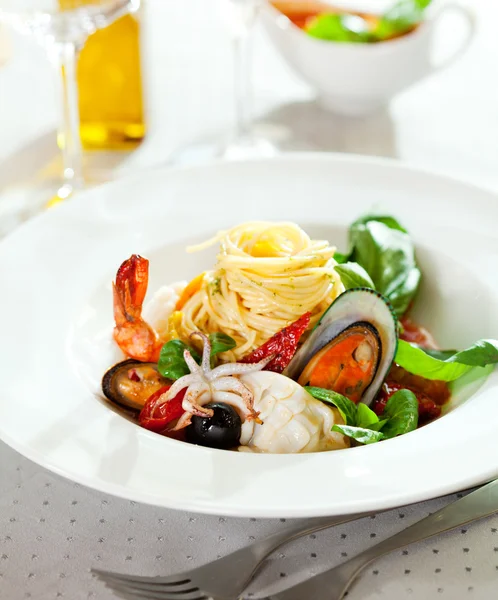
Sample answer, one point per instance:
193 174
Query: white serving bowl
356 79
56 273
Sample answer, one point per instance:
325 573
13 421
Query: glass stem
243 82
64 56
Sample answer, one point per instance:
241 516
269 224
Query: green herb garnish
398 20
221 342
339 28
383 248
363 425
446 365
172 364
360 434
401 414
354 275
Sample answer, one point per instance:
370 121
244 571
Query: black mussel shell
130 383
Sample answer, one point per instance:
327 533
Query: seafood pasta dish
286 345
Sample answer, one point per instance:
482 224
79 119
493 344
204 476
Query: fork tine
186 593
127 592
171 580
179 592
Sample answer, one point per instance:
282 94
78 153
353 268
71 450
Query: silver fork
332 584
222 579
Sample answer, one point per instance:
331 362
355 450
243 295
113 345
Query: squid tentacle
205 384
232 384
191 364
183 421
238 368
232 399
176 388
206 351
191 404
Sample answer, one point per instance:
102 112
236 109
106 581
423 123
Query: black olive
222 430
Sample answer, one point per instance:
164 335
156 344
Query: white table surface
51 530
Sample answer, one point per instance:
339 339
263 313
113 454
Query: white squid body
161 306
292 420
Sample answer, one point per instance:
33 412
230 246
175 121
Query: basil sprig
446 365
347 409
363 425
383 249
401 18
221 342
401 414
354 275
360 434
171 363
339 28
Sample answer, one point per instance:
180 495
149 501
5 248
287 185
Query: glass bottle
110 86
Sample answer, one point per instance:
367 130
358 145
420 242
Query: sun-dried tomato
282 346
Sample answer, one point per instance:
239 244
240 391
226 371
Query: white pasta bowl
56 274
356 79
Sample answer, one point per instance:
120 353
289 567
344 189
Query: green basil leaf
361 435
365 417
446 365
339 28
381 246
221 342
347 408
402 413
403 16
480 354
340 258
379 425
389 27
171 363
439 354
391 222
417 361
354 275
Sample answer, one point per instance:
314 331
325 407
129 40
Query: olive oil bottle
110 86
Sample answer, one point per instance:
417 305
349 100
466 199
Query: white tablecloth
51 530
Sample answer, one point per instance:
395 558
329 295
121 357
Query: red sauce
431 394
299 11
428 409
302 12
415 334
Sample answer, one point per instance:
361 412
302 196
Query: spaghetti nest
266 276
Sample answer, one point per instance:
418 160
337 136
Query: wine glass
243 142
62 27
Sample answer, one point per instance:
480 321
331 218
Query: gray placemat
52 531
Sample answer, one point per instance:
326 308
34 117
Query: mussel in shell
130 383
352 347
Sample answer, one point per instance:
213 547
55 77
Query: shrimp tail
132 280
132 334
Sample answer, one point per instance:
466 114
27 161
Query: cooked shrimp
133 335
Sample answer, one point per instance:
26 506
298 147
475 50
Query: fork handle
264 547
476 505
240 567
